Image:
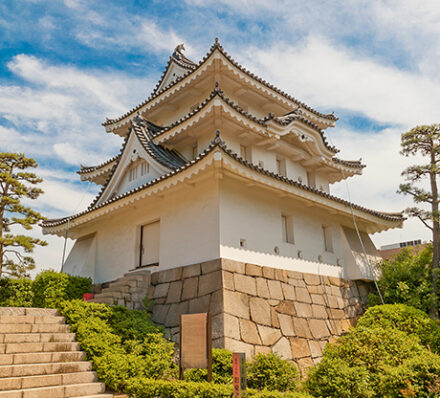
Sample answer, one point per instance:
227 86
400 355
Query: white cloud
332 77
54 113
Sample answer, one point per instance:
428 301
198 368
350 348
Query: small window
281 167
243 243
261 164
194 151
287 225
245 153
328 241
133 173
145 168
311 181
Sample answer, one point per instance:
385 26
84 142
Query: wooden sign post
239 373
195 343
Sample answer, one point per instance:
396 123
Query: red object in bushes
88 296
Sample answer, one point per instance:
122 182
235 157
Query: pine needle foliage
425 141
17 184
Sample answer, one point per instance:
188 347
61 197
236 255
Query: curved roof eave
218 143
217 46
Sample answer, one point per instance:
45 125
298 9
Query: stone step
17 348
98 396
19 319
123 286
28 311
36 337
16 383
33 328
66 391
44 368
41 357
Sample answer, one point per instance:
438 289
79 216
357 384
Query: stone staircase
129 290
39 357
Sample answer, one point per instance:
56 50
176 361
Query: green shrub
132 324
221 368
407 279
117 368
77 310
51 287
405 318
274 394
149 388
96 337
16 292
269 371
121 343
77 286
373 362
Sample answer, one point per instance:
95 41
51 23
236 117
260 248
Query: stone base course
259 309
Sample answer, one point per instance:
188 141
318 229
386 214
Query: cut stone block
254 270
286 325
233 266
191 271
318 328
236 304
302 295
300 348
301 327
260 311
288 291
249 332
283 348
174 292
303 310
228 280
269 336
210 283
231 326
190 286
245 284
275 290
262 288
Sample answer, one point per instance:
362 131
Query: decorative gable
136 167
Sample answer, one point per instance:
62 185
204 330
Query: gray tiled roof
218 143
218 46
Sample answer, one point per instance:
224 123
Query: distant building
389 251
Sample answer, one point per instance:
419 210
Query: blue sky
66 65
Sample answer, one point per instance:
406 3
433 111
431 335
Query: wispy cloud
332 77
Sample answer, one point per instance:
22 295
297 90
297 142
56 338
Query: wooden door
150 244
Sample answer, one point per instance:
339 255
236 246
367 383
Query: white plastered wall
250 214
189 232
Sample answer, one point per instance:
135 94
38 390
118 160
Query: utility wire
68 225
358 233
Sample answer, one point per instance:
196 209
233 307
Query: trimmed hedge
405 318
148 388
46 291
380 357
121 343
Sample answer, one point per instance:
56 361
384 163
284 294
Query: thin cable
68 225
358 233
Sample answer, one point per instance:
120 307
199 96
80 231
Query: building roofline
218 143
214 47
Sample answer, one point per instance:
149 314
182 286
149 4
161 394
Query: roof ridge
88 169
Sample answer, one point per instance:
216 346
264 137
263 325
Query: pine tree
16 184
425 140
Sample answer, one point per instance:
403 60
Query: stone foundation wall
260 309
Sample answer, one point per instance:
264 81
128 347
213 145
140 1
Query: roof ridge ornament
178 51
